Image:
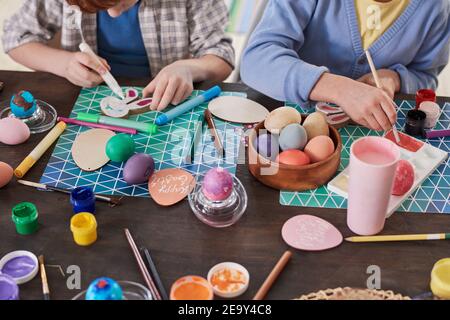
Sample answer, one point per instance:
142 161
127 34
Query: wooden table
182 245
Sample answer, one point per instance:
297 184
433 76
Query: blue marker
188 105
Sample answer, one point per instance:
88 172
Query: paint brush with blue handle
208 95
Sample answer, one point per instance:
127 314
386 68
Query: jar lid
20 265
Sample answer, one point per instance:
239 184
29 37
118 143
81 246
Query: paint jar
25 217
84 228
191 288
425 95
83 200
373 161
440 281
433 112
9 290
415 122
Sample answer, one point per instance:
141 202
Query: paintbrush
213 129
45 288
111 200
147 277
378 84
155 274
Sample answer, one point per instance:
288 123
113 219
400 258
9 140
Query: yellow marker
84 228
407 237
40 149
440 279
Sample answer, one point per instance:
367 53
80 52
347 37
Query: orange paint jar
191 288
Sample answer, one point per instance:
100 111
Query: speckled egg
138 169
293 158
319 148
268 145
316 125
293 136
280 118
13 131
404 178
120 147
6 174
217 184
104 289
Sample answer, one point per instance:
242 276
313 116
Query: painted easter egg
316 125
293 158
88 149
319 148
120 147
268 145
280 118
138 169
13 131
217 184
293 136
23 104
6 174
403 179
104 289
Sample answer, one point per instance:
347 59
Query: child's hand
171 86
368 106
390 81
84 71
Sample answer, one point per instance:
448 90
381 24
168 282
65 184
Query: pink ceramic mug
373 161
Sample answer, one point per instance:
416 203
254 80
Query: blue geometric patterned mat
169 148
433 196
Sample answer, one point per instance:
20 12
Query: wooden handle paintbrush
45 288
215 134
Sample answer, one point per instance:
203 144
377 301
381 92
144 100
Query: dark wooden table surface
182 245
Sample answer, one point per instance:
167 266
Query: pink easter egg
13 131
217 184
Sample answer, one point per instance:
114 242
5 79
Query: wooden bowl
293 178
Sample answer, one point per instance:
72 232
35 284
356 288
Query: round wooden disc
237 109
89 149
169 186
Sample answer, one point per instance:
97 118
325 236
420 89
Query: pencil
213 129
262 292
408 237
378 84
45 288
148 279
155 274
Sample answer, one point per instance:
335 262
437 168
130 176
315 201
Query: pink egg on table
6 174
217 184
404 178
13 131
293 158
319 148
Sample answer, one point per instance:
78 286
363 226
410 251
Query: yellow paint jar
440 279
84 228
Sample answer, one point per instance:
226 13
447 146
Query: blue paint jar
83 200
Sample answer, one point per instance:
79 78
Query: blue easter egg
104 289
268 146
293 136
23 104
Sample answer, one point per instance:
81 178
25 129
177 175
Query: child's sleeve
431 59
207 21
36 21
270 63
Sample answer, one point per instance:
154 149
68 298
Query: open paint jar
432 111
25 217
415 122
129 291
425 95
440 279
229 279
83 200
191 288
84 228
9 290
20 265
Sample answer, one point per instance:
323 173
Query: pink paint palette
310 233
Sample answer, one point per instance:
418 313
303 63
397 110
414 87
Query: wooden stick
45 288
148 279
405 237
378 84
262 292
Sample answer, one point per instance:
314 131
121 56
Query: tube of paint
25 217
83 200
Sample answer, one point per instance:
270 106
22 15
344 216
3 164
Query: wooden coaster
170 186
238 110
89 149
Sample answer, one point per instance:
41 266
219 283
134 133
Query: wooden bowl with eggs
288 177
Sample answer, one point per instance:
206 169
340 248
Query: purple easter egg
138 169
268 145
217 184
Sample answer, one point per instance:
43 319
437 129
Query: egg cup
219 214
42 120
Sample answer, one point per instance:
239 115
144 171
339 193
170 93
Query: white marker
107 77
